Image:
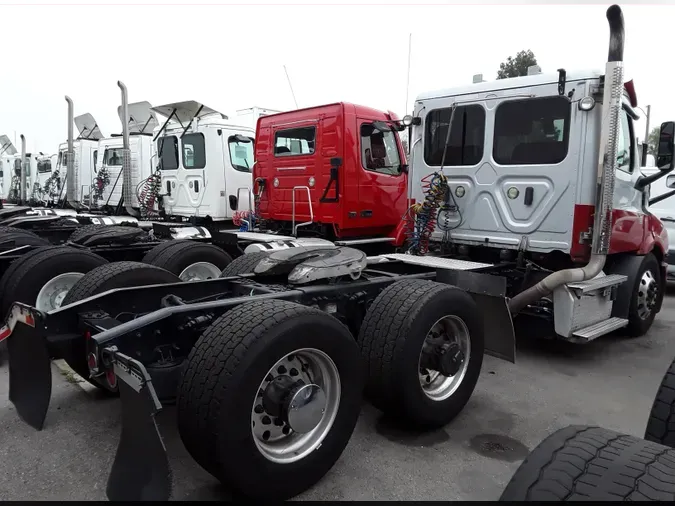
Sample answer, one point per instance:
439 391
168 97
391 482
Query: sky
231 56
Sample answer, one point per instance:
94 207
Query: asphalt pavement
610 382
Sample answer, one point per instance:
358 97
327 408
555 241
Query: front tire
638 297
236 400
423 343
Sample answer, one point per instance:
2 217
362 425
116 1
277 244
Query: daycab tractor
330 173
7 154
267 363
205 162
516 182
109 177
45 186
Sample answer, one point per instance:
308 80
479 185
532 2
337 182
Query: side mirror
670 181
665 157
405 167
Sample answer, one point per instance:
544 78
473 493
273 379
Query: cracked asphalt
610 382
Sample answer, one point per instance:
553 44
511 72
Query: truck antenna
407 86
291 87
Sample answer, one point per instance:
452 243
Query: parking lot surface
610 382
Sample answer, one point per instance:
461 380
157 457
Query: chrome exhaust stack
72 179
127 186
24 168
602 222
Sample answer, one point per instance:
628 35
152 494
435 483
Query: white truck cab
521 160
109 180
205 161
42 191
7 154
85 153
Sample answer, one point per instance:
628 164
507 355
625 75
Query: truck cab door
382 182
628 216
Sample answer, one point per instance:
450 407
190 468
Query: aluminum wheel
647 294
200 271
444 358
295 406
55 290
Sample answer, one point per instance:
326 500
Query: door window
379 150
194 151
623 144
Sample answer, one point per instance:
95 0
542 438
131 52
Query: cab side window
624 149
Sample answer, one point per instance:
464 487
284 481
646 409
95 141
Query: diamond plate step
601 328
598 283
439 263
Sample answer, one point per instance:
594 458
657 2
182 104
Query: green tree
515 67
653 141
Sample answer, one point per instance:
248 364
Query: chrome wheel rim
448 335
647 295
306 420
53 292
200 271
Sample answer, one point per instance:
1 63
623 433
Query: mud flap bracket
140 471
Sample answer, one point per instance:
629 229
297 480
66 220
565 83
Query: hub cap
55 290
647 295
200 271
295 406
444 358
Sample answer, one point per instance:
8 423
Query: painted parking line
72 377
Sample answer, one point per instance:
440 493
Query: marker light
586 103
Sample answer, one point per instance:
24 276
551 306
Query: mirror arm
658 199
643 181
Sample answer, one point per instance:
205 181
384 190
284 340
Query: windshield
241 154
44 166
379 150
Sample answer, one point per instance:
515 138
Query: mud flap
489 292
141 470
30 371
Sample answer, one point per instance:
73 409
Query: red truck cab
335 171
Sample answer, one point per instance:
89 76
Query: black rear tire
243 264
16 237
103 278
224 372
661 423
594 464
86 233
181 254
25 277
391 339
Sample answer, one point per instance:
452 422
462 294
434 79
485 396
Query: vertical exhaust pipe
24 169
128 187
72 179
602 221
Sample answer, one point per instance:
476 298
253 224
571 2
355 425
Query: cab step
600 329
372 240
591 285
